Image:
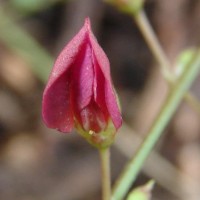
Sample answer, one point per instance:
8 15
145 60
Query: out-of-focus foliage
28 6
128 6
31 6
26 46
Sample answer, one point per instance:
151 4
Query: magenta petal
68 55
100 56
56 107
110 98
93 118
99 89
82 78
112 105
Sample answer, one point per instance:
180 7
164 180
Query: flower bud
79 92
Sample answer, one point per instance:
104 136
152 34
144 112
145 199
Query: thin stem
105 169
155 47
153 43
169 107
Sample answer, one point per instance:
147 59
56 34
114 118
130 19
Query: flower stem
153 43
170 105
105 170
155 47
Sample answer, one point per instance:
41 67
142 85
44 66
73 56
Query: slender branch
105 168
155 47
153 43
169 107
128 140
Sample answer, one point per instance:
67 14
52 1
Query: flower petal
82 78
112 105
99 54
99 89
56 109
68 55
92 118
104 65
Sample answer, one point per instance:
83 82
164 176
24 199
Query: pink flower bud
79 91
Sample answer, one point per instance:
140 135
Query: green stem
105 169
153 43
155 47
169 107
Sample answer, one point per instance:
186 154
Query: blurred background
39 163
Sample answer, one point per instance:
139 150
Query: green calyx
142 192
99 140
